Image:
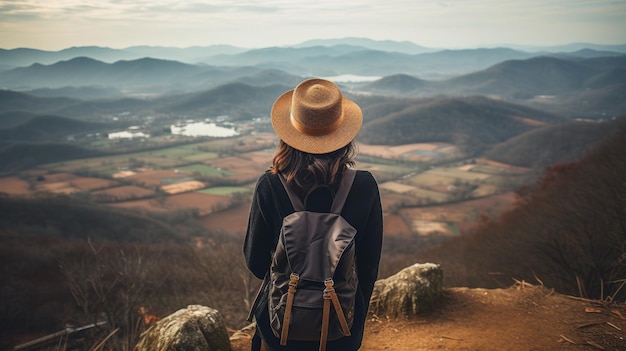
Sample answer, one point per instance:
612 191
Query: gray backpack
313 269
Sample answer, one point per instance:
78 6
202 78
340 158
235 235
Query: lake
203 129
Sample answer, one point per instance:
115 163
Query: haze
57 24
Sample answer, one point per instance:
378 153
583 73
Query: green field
164 158
206 171
226 190
458 174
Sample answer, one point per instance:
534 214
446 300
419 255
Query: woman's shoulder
365 177
267 182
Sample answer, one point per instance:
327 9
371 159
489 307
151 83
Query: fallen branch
597 346
567 339
450 338
614 326
588 325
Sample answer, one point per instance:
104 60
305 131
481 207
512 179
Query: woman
317 127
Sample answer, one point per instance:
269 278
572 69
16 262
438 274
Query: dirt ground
519 318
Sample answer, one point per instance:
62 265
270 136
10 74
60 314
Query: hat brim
316 144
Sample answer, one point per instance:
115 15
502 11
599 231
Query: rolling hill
47 128
235 99
473 123
540 76
16 101
17 156
558 143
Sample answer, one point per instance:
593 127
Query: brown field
408 151
55 187
233 220
438 193
485 190
125 192
245 168
464 215
154 177
502 166
431 180
257 141
386 151
123 174
153 205
391 200
58 177
431 228
395 225
86 183
204 203
14 186
529 121
182 187
397 187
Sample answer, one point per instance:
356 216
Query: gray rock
413 289
196 328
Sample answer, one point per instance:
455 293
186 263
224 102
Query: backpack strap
293 283
340 197
344 189
295 200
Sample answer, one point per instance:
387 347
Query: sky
59 24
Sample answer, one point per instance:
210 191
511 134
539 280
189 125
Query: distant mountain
398 84
335 60
405 47
17 156
23 57
140 76
47 128
593 87
525 78
573 47
80 92
270 77
15 101
13 118
558 143
541 76
473 123
235 99
12 102
83 71
193 54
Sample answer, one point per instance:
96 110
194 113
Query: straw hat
316 118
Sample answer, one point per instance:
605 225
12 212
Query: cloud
253 23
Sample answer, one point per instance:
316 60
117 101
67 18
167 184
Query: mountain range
512 93
315 57
560 84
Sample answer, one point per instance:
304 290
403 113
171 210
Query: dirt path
520 318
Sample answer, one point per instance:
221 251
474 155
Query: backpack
312 269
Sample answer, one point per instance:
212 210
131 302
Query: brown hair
304 171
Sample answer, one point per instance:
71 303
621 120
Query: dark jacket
270 204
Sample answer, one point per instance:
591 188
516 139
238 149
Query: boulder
404 294
195 328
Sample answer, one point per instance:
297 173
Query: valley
134 169
209 177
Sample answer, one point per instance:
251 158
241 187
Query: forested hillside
567 233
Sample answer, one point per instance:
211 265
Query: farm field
14 185
456 218
216 178
122 193
423 152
